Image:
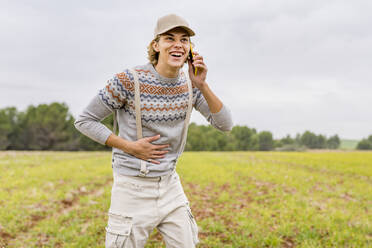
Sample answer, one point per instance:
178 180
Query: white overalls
140 204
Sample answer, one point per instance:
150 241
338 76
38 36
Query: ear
155 45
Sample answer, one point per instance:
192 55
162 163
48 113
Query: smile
177 54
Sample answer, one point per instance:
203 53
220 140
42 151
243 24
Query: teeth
176 54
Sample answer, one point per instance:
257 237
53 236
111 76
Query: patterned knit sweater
163 110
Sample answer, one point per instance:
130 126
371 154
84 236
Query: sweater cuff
223 119
102 138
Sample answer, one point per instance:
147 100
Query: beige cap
171 21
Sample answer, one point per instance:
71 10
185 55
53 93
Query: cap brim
187 29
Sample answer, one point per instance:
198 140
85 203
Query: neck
166 70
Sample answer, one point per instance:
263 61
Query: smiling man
147 192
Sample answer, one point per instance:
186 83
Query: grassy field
239 199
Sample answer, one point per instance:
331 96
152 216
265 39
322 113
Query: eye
169 38
184 40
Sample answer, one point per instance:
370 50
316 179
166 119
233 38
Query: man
147 192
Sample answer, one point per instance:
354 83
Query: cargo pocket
118 230
194 226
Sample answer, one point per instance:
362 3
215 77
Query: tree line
365 144
243 138
44 127
51 127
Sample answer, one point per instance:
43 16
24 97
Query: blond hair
152 55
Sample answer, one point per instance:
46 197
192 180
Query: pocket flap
119 224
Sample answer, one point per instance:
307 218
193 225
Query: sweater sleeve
221 120
110 98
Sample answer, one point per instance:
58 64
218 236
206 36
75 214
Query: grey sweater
163 111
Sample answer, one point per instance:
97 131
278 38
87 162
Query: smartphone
191 58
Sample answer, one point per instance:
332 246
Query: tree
265 141
243 138
46 127
333 142
206 138
196 140
321 142
10 120
6 126
364 144
287 140
278 143
297 139
309 140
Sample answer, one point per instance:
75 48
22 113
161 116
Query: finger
198 57
200 66
198 62
153 138
159 152
157 156
153 161
159 147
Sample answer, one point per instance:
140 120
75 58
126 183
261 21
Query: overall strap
137 106
188 115
137 103
115 126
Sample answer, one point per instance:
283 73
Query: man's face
173 47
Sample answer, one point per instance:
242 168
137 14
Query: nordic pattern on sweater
163 104
160 102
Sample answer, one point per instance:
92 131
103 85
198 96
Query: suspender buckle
143 173
144 170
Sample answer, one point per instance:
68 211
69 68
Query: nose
178 44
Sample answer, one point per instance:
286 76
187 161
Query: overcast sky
281 65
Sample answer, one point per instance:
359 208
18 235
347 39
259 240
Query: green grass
347 144
239 199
